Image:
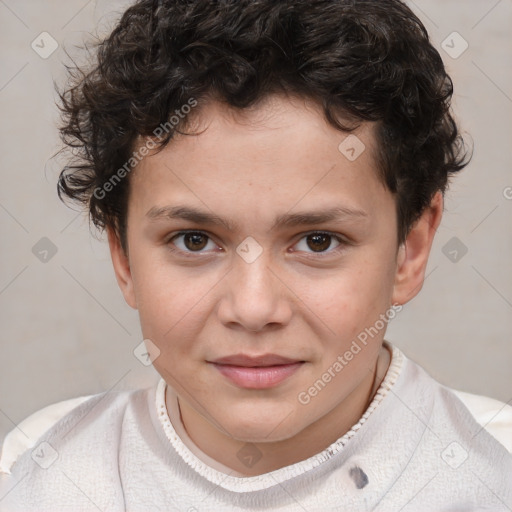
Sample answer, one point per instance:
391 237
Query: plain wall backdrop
66 330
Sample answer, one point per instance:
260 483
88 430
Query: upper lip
253 361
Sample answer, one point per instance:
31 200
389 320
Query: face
259 236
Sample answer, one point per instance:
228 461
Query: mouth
258 372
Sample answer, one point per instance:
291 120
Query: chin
263 430
258 436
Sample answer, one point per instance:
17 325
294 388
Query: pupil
195 241
321 242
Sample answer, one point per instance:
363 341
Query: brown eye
319 242
192 241
195 241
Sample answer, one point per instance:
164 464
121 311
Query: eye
319 242
192 241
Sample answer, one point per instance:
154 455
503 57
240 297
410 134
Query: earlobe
412 257
122 269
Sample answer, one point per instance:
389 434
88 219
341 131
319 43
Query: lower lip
258 377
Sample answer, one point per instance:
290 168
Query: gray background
66 328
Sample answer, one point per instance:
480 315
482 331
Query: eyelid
188 231
342 240
338 236
183 232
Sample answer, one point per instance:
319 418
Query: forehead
275 156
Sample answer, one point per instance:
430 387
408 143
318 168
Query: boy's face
272 283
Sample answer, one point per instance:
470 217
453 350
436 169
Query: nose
254 297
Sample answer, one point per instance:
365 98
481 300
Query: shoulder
25 435
453 442
491 414
75 451
59 417
481 412
489 418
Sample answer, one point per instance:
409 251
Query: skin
295 300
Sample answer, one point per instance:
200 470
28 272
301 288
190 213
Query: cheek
165 296
352 299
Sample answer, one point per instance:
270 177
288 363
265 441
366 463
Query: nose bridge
254 277
255 296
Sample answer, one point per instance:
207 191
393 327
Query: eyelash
192 254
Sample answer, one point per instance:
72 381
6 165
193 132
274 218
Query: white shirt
416 448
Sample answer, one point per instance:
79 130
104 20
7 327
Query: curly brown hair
368 60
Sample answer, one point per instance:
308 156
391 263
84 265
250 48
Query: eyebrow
285 220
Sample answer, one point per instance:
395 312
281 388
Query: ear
414 252
121 268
